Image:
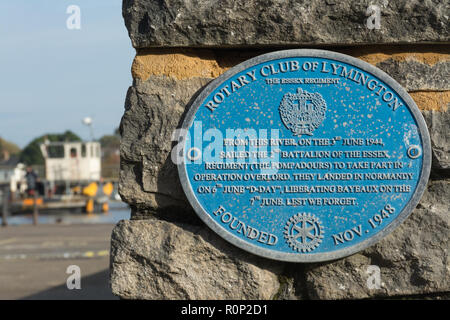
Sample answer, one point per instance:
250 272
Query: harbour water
118 211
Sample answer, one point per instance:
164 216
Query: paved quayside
34 260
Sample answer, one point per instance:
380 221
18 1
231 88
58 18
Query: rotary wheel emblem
303 232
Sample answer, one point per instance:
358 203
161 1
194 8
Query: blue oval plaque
304 155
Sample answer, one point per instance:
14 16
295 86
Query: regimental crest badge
302 112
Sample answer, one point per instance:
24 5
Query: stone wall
165 252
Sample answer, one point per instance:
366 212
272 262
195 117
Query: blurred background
65 70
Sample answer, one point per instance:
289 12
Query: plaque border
323 256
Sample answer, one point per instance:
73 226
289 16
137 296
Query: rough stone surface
182 45
154 259
413 260
153 110
414 75
432 100
179 23
415 68
179 63
438 123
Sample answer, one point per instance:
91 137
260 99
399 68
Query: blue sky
52 77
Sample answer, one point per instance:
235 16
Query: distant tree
110 142
8 146
31 154
110 155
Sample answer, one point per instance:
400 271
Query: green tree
110 155
9 146
31 154
109 141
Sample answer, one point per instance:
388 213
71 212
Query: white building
72 161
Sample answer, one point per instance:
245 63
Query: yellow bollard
91 189
108 188
90 206
105 207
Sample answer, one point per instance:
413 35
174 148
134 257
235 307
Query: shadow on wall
93 287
